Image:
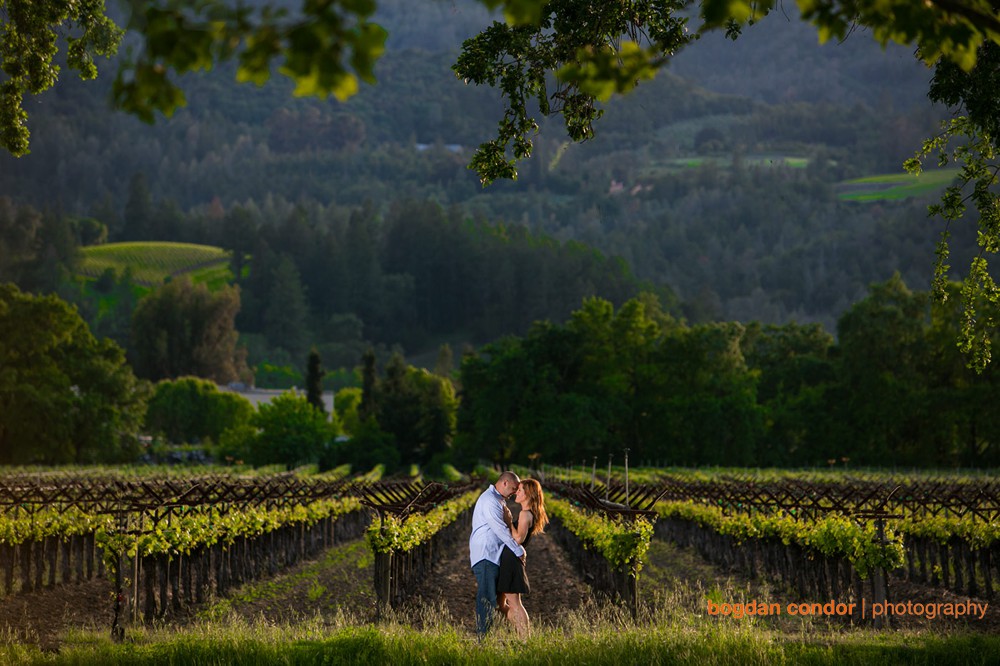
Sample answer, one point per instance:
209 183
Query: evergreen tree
314 381
239 236
286 313
184 329
138 217
369 384
444 365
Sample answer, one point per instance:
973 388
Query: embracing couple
496 549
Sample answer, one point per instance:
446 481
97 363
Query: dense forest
892 389
686 185
711 196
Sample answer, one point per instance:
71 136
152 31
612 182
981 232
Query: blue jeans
486 596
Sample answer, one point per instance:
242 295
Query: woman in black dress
513 580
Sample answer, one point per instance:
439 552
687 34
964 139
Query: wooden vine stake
879 585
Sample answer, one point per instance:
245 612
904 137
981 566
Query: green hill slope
152 262
896 186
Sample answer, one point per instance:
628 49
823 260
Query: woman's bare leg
502 605
518 615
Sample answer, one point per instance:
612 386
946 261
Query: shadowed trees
184 329
65 397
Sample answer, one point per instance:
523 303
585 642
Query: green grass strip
710 644
895 186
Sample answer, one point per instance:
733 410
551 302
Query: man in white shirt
489 535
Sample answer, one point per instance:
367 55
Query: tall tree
290 432
286 312
795 370
361 253
189 410
418 409
184 329
239 237
883 359
65 397
618 349
444 363
138 217
368 406
19 242
314 380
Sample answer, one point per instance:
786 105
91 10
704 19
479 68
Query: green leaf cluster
23 527
598 49
29 43
190 409
325 48
203 527
64 395
833 536
976 151
974 531
951 30
289 431
623 543
393 535
593 46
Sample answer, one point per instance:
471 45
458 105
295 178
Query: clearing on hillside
152 262
896 186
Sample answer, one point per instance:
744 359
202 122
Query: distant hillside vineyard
151 263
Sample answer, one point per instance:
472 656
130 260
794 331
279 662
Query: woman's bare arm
524 522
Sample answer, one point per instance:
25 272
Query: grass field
153 262
894 187
870 189
725 162
596 637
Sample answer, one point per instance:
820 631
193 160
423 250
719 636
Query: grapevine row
607 551
408 543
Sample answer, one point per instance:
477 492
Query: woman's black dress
513 577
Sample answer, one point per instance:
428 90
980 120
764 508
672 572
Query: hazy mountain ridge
771 244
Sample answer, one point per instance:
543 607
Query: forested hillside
359 222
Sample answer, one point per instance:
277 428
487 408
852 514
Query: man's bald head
507 484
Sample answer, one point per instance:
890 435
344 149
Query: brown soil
41 617
341 582
556 588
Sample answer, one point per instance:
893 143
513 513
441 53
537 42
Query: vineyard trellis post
880 590
621 579
607 483
398 565
383 573
627 505
117 630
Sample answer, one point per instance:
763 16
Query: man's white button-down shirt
489 531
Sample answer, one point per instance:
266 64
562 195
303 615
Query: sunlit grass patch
152 262
357 553
895 186
596 634
724 161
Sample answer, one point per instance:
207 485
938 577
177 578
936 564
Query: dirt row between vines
340 583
